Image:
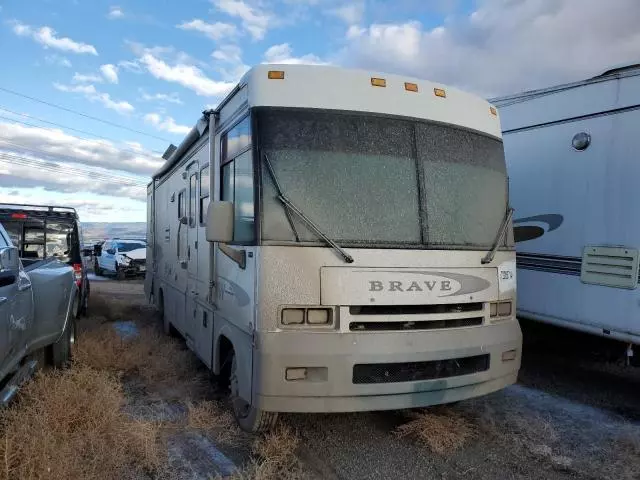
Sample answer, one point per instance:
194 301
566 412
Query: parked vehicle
573 169
37 302
121 257
357 253
41 232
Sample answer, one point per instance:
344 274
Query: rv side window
181 204
236 140
237 187
204 193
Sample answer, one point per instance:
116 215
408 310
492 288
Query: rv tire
249 418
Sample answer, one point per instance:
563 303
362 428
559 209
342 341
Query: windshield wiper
488 258
290 207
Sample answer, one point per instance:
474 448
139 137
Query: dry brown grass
211 417
442 430
274 457
70 425
156 358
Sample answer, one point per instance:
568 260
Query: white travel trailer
335 240
574 176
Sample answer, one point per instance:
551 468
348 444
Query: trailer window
204 194
193 186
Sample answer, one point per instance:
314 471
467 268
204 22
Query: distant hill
96 231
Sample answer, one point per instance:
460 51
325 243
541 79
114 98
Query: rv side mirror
184 220
220 222
9 259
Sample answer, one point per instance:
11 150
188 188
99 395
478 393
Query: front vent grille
371 373
416 309
415 325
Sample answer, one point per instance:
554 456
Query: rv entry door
192 254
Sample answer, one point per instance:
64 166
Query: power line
71 173
129 150
68 170
107 122
93 135
44 152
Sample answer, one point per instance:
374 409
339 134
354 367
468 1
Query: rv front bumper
303 371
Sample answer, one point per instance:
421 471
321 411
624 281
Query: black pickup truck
40 232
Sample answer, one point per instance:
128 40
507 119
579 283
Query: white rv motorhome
574 176
335 240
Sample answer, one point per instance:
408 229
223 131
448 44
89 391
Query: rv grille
610 266
416 371
416 325
415 309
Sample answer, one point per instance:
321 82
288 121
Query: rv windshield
378 181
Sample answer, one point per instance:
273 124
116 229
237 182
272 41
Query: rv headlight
318 316
293 316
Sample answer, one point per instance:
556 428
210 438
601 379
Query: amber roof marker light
411 87
275 75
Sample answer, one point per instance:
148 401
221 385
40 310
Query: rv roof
332 88
624 70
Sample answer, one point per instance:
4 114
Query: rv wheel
249 418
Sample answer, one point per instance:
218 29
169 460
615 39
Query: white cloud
59 60
90 207
505 47
215 31
92 94
350 14
130 66
185 74
228 53
46 36
254 20
115 12
166 124
229 62
56 145
89 78
283 54
110 72
161 97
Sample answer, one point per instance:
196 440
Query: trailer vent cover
610 266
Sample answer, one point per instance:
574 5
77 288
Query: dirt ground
572 415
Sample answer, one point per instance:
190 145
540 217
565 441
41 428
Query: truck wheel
249 418
77 306
119 273
85 303
62 350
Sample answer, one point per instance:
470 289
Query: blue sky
149 68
